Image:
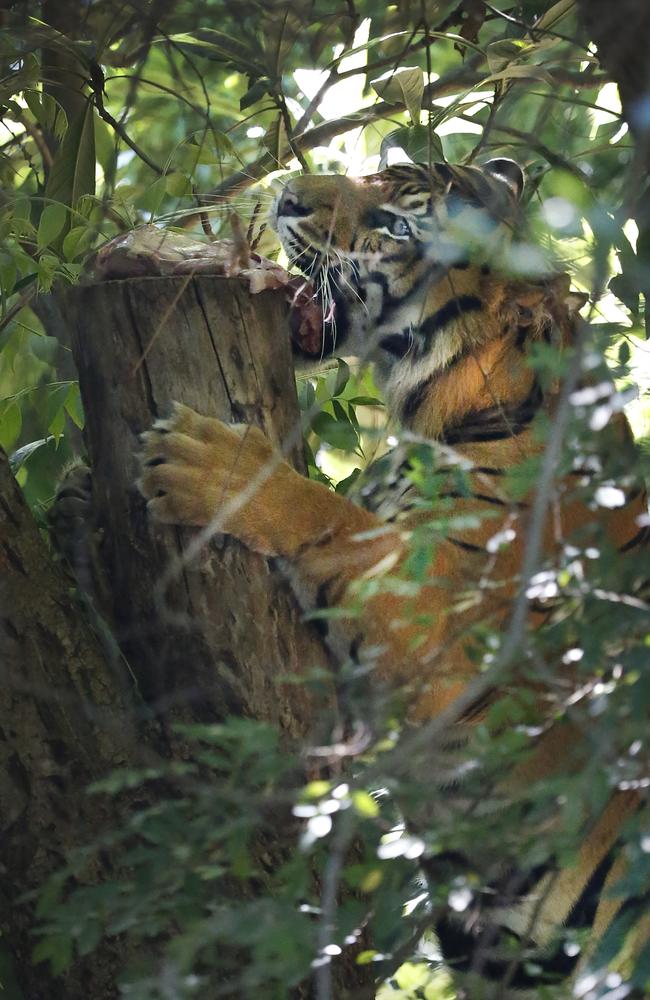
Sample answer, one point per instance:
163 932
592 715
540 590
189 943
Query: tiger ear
507 171
574 301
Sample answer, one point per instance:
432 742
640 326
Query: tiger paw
70 518
199 471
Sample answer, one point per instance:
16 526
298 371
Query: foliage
113 117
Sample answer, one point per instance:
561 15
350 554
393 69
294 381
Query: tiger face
375 245
402 263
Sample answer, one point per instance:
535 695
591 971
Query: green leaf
641 974
364 804
57 949
419 143
217 45
404 86
338 379
51 225
57 425
89 936
77 241
73 406
8 272
47 112
73 172
365 401
255 93
337 433
345 485
306 395
178 185
553 16
502 52
105 149
152 198
11 422
42 34
522 73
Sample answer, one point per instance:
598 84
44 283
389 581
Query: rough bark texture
66 718
218 638
221 633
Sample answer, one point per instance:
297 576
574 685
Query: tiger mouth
301 253
308 260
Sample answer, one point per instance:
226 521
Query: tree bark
65 720
219 636
221 632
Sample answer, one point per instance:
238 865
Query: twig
23 300
97 90
327 923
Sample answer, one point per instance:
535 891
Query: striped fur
410 264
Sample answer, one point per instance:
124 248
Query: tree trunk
65 720
199 639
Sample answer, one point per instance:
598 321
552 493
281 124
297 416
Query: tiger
415 269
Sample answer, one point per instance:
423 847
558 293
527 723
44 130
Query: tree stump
220 635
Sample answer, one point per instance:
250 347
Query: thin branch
327 923
23 300
118 127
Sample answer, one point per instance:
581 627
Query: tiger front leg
199 471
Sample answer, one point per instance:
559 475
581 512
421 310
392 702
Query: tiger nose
290 205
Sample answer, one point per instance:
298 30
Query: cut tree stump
222 633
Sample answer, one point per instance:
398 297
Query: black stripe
516 883
309 230
640 538
478 706
465 546
430 275
464 951
377 218
584 909
398 344
456 495
321 602
414 399
451 310
444 172
416 396
497 423
544 607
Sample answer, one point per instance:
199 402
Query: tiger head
409 265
